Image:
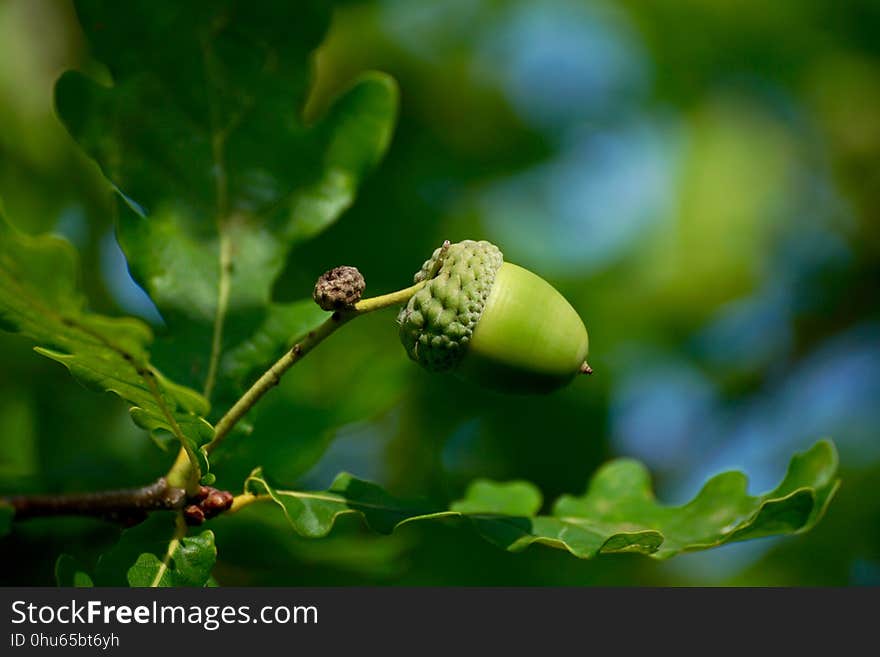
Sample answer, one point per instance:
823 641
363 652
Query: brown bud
339 288
217 502
193 515
201 493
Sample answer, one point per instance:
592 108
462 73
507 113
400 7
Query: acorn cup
492 322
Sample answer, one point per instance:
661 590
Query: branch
127 506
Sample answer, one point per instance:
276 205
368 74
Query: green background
700 179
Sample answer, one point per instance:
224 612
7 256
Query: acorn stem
400 297
397 298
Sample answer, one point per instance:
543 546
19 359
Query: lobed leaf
221 177
151 554
313 514
188 562
40 299
618 513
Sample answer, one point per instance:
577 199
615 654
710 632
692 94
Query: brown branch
127 506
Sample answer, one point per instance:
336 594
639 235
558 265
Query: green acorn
492 322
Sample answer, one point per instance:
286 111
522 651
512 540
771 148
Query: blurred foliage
40 299
700 179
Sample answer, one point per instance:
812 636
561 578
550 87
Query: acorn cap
438 321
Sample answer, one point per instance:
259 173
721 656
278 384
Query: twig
272 376
127 506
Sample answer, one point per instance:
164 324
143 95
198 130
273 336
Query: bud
339 288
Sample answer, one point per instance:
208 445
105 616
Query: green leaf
69 572
221 177
152 554
40 298
188 562
620 498
618 513
313 514
515 498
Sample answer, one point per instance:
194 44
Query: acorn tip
586 369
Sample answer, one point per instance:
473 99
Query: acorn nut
492 322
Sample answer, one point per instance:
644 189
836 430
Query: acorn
492 322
